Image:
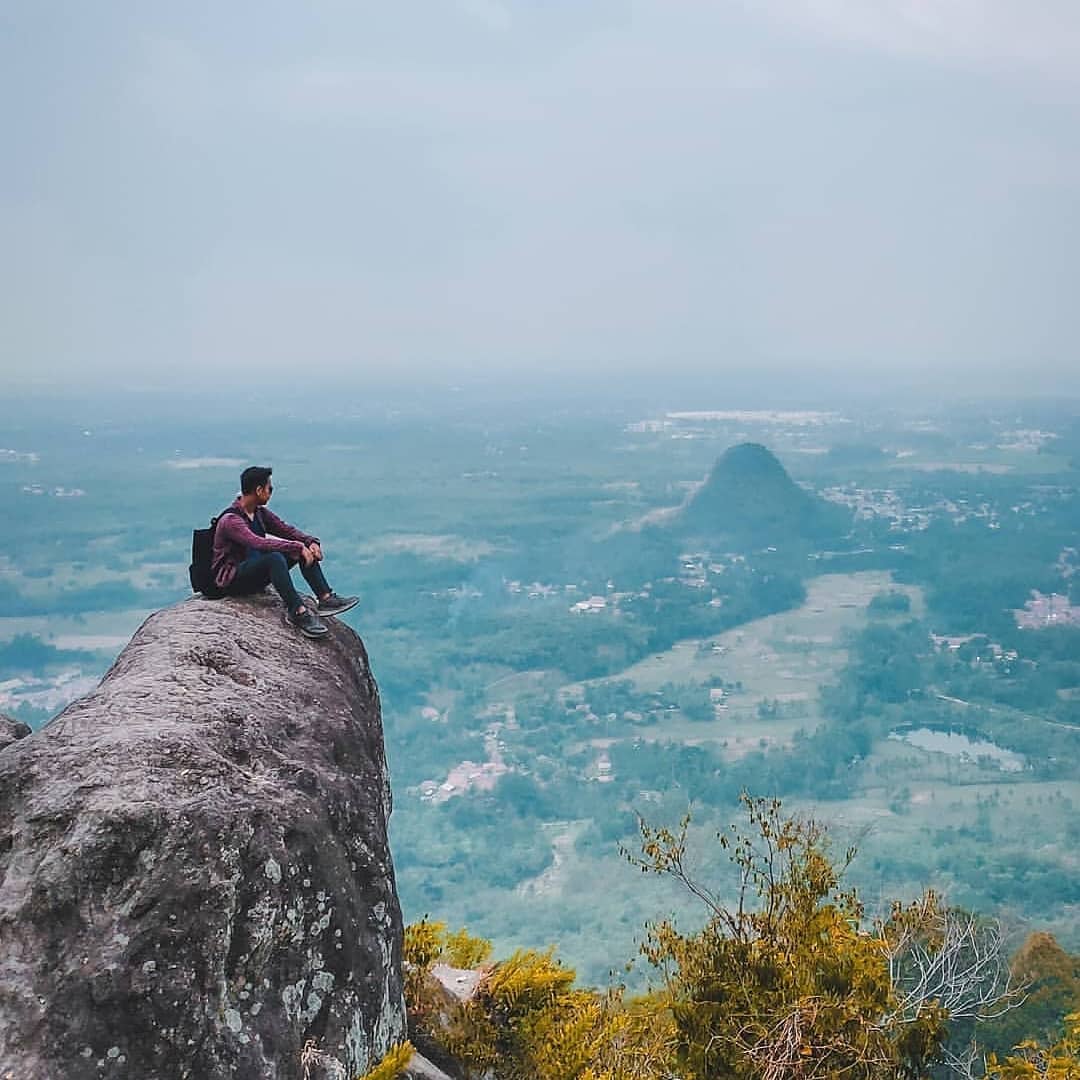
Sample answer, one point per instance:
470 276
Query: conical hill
749 495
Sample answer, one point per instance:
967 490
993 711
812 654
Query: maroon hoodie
233 538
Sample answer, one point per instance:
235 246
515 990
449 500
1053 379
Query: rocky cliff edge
194 872
11 731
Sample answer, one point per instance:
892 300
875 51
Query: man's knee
277 558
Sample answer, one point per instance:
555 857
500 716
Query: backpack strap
227 510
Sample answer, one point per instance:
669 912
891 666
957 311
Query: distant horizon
672 391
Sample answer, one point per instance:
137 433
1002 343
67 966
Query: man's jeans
272 568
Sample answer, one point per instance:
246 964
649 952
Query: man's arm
235 527
275 525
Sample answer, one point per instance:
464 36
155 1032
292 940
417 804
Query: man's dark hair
254 476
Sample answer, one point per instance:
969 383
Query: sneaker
308 624
336 605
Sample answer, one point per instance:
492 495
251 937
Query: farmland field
780 658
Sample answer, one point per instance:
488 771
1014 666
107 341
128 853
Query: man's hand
316 550
307 556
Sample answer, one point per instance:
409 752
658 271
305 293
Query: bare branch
968 1064
952 960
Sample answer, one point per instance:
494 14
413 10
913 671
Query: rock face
11 731
194 872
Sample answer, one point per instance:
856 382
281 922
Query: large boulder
194 872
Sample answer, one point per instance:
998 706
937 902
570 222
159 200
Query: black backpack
202 556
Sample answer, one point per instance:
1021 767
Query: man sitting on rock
253 548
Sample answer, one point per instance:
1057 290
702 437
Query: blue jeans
272 568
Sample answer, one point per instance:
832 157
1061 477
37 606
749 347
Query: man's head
255 481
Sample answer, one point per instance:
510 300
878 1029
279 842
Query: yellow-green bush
787 982
393 1063
428 942
528 1022
425 944
1032 1061
462 950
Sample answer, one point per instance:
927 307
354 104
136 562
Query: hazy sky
882 187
